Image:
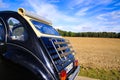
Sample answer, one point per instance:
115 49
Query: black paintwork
35 55
12 71
17 54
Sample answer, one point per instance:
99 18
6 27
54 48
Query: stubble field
98 57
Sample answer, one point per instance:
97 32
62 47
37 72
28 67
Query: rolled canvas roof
24 12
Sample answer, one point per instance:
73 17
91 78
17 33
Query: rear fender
30 61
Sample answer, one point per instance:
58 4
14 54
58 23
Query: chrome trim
33 56
62 53
61 43
50 56
49 65
66 53
73 75
63 48
57 50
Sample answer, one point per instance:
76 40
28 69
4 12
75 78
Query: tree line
89 34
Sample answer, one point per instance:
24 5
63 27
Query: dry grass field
98 53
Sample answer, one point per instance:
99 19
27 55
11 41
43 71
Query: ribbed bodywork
59 51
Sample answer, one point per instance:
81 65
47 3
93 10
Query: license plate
69 67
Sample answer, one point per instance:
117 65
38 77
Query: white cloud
50 11
88 7
82 11
79 22
110 21
115 14
54 1
74 3
88 3
82 27
115 29
2 4
109 16
101 17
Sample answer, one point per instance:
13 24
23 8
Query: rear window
44 28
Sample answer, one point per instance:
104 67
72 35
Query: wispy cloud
84 3
115 14
74 15
76 23
3 4
50 11
110 21
110 16
82 11
75 3
54 1
102 17
89 7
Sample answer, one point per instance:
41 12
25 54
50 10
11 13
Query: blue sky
73 15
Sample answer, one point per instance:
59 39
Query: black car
31 49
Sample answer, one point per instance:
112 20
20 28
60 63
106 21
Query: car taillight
63 75
76 63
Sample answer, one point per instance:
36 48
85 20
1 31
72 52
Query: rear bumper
74 74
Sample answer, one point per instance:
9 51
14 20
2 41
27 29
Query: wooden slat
61 42
66 53
63 48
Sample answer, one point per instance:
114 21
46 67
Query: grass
99 57
102 74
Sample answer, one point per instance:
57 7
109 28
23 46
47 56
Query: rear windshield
44 28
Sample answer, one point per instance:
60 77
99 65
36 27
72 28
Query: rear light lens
63 75
76 63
